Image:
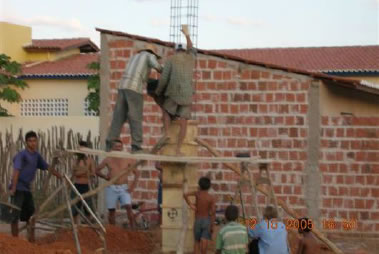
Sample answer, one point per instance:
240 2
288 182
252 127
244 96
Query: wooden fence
49 143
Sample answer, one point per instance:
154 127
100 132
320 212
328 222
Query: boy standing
205 214
232 238
25 164
308 244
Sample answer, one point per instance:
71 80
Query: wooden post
176 224
74 229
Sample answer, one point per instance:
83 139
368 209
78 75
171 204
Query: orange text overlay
295 224
273 224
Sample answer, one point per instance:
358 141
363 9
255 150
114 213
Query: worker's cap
152 49
180 46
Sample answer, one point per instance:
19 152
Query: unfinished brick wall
243 107
349 164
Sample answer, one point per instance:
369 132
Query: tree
9 81
93 85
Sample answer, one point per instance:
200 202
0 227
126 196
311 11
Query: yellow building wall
51 56
335 99
74 90
13 38
81 124
367 78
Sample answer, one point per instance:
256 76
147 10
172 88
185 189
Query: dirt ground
120 241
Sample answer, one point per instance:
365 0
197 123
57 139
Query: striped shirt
138 70
232 239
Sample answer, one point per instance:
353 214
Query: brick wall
243 107
349 164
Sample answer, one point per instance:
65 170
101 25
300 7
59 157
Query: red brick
121 44
221 64
287 189
279 120
327 202
294 86
272 86
332 191
375 192
122 53
116 75
226 75
303 109
245 74
290 120
276 76
293 132
265 75
350 133
269 97
359 203
348 203
217 75
212 64
206 75
202 64
337 202
255 74
300 97
297 190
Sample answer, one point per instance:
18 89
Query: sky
222 23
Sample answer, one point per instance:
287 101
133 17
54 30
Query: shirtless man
82 172
205 214
119 190
308 244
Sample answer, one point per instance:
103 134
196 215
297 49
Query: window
44 107
88 112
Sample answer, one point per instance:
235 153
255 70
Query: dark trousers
23 200
129 107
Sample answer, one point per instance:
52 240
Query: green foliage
93 85
9 81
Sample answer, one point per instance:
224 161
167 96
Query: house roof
84 44
74 66
316 59
350 83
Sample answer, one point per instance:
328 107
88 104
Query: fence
49 142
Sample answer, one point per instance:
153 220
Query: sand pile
118 241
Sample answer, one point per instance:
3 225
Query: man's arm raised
187 35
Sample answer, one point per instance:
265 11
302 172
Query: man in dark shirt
25 164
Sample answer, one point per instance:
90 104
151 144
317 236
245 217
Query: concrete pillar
312 173
176 177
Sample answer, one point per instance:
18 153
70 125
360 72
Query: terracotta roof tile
72 66
60 44
316 59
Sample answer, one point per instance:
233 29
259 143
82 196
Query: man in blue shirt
25 165
272 233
